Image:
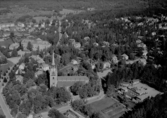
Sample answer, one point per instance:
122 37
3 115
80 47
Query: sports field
108 107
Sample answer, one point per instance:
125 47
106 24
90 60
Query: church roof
73 78
53 73
65 81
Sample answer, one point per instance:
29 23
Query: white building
13 46
106 65
125 57
37 44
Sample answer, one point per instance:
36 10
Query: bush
77 105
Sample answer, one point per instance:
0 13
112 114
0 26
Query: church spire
53 59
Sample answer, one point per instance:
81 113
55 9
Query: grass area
109 107
1 112
4 67
6 43
102 104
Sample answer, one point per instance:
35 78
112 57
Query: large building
37 44
63 81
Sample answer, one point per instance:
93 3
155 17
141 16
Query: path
97 98
60 34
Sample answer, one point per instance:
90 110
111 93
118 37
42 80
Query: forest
150 108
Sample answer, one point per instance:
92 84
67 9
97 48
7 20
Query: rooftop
72 78
144 90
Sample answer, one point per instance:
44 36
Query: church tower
53 73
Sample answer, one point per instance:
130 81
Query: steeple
53 59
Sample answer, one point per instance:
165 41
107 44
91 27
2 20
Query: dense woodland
150 108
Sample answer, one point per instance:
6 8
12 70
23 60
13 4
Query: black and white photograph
83 58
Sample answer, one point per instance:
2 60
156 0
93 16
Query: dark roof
72 78
65 83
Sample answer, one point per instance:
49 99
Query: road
60 34
97 98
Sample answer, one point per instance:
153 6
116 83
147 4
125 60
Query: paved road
97 98
60 34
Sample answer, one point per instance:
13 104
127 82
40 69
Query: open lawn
1 112
102 104
108 107
6 43
4 67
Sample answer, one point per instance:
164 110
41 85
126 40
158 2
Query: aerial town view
83 58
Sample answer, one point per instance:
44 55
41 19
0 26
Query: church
63 81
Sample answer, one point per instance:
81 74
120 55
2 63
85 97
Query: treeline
150 108
149 74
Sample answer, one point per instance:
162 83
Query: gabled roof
65 81
72 78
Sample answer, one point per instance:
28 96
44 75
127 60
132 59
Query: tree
29 46
96 115
2 116
110 91
75 87
54 113
87 110
83 92
60 95
20 115
77 105
12 36
5 80
14 53
26 107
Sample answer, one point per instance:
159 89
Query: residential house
137 91
6 25
37 58
21 53
114 59
1 39
106 65
19 78
45 67
39 72
37 44
86 38
73 61
14 46
19 24
125 57
22 66
77 45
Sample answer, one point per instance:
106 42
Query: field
1 112
6 43
108 107
14 9
4 67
